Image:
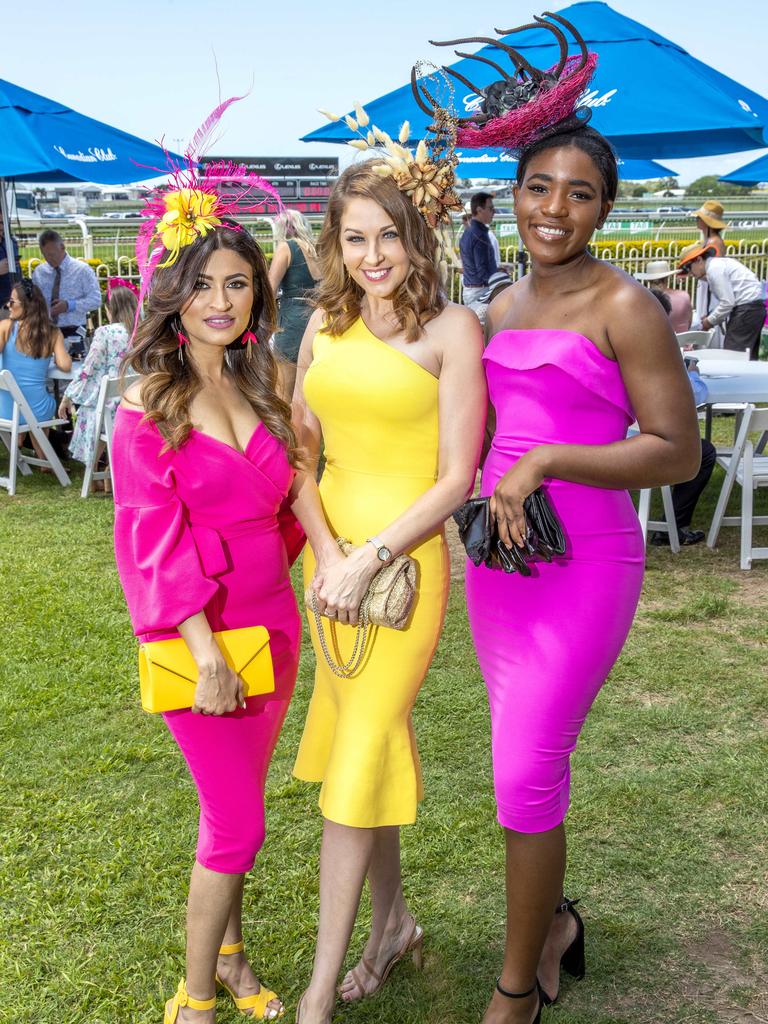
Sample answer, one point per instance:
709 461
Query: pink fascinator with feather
195 200
526 103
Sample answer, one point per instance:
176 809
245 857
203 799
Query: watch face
384 554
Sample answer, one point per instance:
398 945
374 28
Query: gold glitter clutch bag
387 602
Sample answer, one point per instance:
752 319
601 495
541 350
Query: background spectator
685 495
294 271
105 356
740 295
709 221
27 341
6 280
70 286
477 254
681 311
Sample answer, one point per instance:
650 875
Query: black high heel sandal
524 995
573 961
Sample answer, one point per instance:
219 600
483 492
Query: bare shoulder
314 324
132 396
634 319
455 324
316 321
624 296
502 306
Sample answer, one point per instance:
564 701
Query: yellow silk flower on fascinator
189 213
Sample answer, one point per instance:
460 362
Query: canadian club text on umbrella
46 141
650 97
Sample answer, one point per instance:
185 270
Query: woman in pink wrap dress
205 467
577 351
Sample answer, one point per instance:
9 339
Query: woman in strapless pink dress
578 350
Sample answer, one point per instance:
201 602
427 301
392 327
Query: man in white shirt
740 294
70 287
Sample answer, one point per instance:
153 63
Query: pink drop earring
249 339
181 336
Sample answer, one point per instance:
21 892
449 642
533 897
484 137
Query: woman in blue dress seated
27 341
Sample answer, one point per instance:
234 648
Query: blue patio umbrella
750 174
45 141
649 96
499 164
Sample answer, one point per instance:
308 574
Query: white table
57 376
54 373
731 381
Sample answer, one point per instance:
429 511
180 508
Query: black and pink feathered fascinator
525 102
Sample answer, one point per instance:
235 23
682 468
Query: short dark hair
662 298
479 200
595 145
48 236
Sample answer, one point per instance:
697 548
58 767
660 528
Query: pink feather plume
201 140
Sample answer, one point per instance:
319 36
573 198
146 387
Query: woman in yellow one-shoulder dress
390 384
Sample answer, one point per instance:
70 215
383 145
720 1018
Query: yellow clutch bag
168 672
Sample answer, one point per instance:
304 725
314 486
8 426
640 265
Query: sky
149 66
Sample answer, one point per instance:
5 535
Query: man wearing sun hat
659 272
709 221
740 296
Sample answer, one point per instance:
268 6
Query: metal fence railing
630 256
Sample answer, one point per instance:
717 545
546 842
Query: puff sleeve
157 560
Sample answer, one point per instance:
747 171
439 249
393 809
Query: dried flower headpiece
194 202
425 175
526 104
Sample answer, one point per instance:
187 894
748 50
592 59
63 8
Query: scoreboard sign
303 183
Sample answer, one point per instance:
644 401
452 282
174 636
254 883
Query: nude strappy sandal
413 944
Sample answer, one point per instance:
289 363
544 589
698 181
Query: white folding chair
701 339
666 525
110 389
714 355
11 430
748 467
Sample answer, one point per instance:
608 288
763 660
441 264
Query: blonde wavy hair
169 384
420 298
292 224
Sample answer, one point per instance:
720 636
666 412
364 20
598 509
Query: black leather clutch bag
479 535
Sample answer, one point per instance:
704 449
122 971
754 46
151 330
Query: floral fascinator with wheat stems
426 175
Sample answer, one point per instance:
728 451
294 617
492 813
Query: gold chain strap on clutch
387 602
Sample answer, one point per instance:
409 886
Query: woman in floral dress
105 356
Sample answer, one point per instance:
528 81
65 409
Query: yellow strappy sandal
258 1003
183 998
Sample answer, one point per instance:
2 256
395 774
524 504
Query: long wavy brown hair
419 298
122 307
169 384
36 334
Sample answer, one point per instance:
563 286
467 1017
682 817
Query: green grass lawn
667 828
